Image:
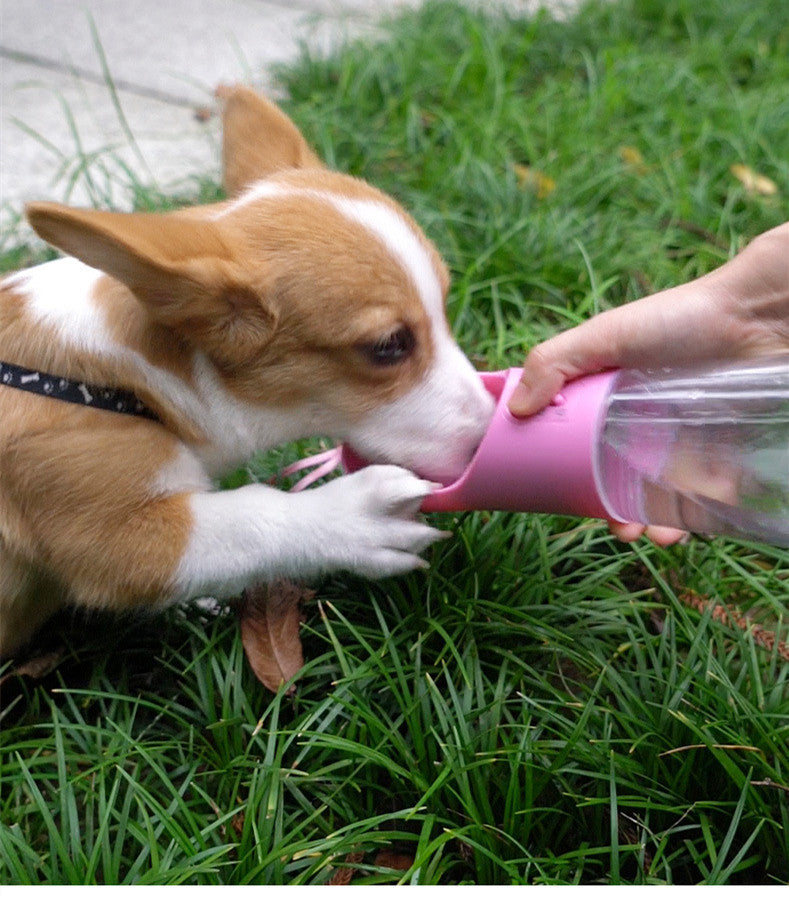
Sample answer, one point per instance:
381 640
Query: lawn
544 705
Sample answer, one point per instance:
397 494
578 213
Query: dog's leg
131 528
363 523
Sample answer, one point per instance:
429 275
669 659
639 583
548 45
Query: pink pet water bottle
705 450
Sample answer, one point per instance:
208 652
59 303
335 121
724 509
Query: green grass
543 706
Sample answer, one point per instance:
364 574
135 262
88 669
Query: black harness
106 399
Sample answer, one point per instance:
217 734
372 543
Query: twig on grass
734 618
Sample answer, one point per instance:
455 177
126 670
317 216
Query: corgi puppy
306 303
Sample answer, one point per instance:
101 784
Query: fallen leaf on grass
36 668
270 616
385 859
392 860
752 181
531 179
344 875
632 158
237 823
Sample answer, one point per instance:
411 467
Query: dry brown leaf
633 159
37 667
385 859
392 860
752 181
270 616
237 823
531 179
344 875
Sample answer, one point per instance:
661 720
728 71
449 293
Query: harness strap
107 399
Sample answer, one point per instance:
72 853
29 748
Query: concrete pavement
67 134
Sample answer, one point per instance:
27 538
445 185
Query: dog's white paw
370 524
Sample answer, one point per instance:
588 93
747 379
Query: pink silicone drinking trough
544 463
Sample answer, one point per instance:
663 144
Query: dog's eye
392 349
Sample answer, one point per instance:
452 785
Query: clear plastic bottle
705 450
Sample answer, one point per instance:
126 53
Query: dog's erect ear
180 269
258 139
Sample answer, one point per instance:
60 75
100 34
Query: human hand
739 310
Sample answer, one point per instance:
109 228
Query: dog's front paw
370 521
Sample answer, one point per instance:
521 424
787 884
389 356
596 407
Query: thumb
540 382
549 366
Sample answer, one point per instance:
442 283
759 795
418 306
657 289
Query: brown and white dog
307 303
